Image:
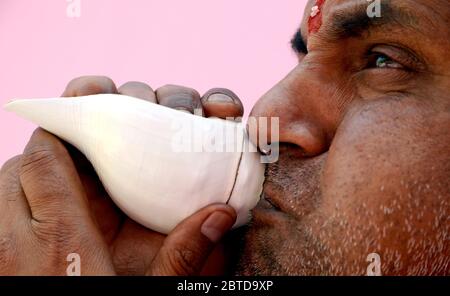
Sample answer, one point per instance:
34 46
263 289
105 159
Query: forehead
430 17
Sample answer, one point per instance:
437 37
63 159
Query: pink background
239 44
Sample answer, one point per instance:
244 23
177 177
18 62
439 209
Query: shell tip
10 106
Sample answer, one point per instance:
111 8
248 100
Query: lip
271 198
267 213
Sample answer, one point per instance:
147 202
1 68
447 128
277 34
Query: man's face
364 157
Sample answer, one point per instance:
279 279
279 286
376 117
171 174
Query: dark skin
364 161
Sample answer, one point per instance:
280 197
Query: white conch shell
130 143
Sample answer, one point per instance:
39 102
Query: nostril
301 120
293 150
309 138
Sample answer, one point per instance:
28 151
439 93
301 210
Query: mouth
291 189
267 212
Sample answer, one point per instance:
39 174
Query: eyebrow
352 22
355 22
298 43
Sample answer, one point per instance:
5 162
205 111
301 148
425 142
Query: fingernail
183 109
217 224
219 98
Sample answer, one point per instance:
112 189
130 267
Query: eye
382 61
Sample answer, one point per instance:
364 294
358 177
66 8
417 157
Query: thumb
188 246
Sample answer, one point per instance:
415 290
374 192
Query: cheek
382 181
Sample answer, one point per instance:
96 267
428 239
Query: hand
44 214
133 246
124 246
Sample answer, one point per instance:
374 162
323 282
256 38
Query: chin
270 244
278 240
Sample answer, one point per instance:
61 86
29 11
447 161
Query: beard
279 239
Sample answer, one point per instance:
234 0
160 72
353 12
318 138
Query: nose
299 102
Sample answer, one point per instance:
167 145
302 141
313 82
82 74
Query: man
364 164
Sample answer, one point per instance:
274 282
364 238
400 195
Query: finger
50 181
12 199
138 90
89 85
134 248
188 246
180 98
222 103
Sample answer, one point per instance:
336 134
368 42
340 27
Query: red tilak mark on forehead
315 22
